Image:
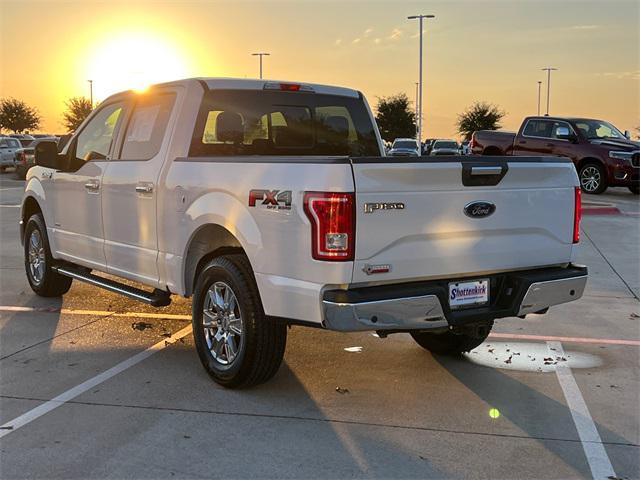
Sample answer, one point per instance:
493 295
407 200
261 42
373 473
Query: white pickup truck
272 204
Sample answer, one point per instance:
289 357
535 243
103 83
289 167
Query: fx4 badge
273 199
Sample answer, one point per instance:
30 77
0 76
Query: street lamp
420 18
261 54
548 70
417 106
539 85
91 91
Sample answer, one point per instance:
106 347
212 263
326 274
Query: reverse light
577 214
332 216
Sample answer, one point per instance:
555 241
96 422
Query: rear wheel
238 345
38 261
450 343
592 178
635 190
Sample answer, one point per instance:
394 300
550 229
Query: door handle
486 170
144 188
92 185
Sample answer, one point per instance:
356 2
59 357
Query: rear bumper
424 305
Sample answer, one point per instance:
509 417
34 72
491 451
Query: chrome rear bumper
522 293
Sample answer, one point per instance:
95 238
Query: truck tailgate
411 216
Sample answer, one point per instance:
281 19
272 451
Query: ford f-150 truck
271 203
603 156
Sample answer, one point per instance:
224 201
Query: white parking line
31 415
99 313
594 450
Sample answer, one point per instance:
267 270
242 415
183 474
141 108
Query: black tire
449 343
635 190
2 169
261 345
46 282
593 178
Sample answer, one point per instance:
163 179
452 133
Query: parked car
23 138
24 157
602 154
445 147
464 148
247 195
405 147
8 147
428 143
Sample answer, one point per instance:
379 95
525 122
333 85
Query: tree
17 116
78 108
395 118
479 116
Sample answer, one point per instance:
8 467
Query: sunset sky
481 50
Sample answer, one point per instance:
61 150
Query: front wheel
38 261
635 190
450 343
238 345
593 179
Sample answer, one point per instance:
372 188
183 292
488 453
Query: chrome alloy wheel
222 323
36 258
590 179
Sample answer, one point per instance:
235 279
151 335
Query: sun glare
133 61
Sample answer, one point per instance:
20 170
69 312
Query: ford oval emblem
479 209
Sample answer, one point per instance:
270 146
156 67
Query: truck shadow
519 403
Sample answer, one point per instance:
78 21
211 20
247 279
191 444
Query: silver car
8 147
405 147
445 147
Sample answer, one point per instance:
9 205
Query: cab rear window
256 122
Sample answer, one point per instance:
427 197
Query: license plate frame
469 293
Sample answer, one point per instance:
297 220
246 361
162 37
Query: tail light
333 224
23 158
472 142
577 214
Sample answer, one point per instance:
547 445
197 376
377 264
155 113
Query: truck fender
32 201
217 220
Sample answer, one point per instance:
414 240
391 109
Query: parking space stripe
34 414
68 311
594 450
547 338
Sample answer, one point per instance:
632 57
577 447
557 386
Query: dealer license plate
464 294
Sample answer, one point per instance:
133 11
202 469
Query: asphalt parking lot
97 386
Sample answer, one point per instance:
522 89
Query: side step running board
157 298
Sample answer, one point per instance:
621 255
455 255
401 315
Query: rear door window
255 122
147 126
538 128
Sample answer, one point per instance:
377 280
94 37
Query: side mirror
627 135
563 133
46 155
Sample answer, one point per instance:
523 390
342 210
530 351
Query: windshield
406 144
453 145
592 129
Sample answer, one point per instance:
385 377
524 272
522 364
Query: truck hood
616 144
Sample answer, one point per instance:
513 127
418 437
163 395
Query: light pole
420 18
417 108
261 54
548 69
91 91
539 86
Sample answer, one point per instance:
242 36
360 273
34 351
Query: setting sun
141 58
